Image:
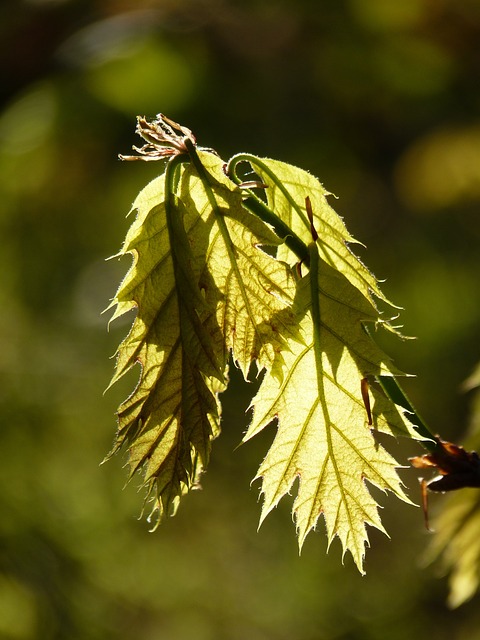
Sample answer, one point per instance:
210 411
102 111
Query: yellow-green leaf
173 414
287 189
216 272
202 287
256 291
323 437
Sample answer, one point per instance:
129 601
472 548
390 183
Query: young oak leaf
170 419
323 438
255 290
202 287
287 188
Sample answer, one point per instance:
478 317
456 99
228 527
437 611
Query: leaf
323 438
256 290
202 287
287 189
170 419
206 285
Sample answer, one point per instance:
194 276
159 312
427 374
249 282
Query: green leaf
323 438
287 189
202 287
256 290
218 271
173 414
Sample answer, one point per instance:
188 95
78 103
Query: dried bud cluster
165 138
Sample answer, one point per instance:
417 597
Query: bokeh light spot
28 121
153 78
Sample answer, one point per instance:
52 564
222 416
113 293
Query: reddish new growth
165 138
458 469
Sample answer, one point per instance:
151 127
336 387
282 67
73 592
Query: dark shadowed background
378 98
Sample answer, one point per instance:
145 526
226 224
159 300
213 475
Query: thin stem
172 177
393 390
256 206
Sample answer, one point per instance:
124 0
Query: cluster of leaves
261 269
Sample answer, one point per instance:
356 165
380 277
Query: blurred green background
378 98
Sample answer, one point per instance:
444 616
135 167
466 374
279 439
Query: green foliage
210 277
456 543
362 100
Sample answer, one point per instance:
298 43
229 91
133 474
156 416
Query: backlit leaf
273 282
256 291
202 287
323 438
170 419
287 189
